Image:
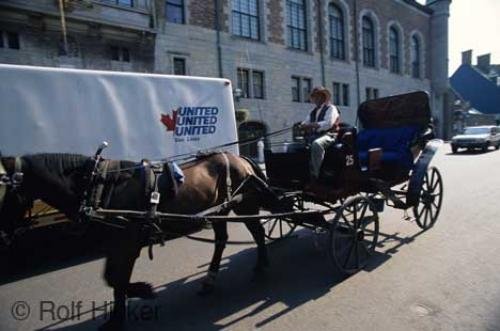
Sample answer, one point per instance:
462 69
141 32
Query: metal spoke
272 227
356 251
363 212
425 217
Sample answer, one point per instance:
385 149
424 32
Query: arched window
415 57
336 20
394 52
368 42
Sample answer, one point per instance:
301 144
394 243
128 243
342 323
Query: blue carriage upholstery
395 143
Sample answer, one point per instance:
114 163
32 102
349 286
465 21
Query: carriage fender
419 171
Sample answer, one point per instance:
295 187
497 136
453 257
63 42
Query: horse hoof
206 289
140 290
112 325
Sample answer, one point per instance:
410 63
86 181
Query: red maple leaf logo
168 121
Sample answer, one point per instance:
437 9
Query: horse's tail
269 199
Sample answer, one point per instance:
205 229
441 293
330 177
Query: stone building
274 51
107 35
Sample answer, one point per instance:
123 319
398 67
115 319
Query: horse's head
14 199
57 179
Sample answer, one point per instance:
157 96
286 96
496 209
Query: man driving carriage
320 126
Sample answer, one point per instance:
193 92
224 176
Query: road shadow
48 249
470 152
298 275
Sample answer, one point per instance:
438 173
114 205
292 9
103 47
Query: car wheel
497 146
485 148
454 149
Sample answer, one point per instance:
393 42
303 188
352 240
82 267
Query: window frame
130 3
337 43
394 50
172 4
262 85
298 11
184 64
296 84
368 42
346 100
416 64
120 52
245 89
250 19
336 92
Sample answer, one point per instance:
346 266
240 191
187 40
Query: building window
301 89
174 11
340 94
246 19
120 54
179 66
128 3
394 53
296 24
258 84
345 94
244 82
296 89
415 57
336 20
368 42
251 83
371 93
9 39
336 93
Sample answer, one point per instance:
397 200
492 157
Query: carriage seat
394 142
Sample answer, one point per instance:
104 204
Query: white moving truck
140 115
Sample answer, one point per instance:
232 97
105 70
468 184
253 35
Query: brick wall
275 22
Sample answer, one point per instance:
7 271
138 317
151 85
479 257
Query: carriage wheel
277 228
353 235
431 196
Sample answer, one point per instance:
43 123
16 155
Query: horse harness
101 186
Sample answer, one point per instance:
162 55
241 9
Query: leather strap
229 183
3 187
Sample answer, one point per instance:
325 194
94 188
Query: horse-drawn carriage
385 162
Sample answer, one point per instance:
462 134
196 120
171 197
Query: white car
477 137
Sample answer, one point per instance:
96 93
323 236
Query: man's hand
309 126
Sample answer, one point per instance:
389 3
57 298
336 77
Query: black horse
61 181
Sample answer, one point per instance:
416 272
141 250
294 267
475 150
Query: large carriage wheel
353 235
429 203
277 228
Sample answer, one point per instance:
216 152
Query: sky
474 24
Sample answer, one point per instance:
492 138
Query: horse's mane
57 162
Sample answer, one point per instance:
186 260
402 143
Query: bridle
12 181
8 184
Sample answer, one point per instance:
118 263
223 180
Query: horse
61 181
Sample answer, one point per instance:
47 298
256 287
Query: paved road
447 278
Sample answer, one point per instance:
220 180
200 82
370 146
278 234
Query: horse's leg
257 231
220 229
120 261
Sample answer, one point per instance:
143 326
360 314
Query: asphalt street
447 278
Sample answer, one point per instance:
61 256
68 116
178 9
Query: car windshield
477 130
